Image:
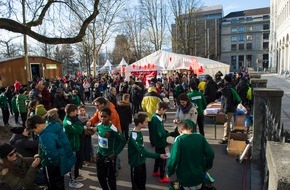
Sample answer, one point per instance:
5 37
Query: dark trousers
160 164
23 118
77 164
106 172
138 177
135 106
85 149
5 115
150 134
16 116
87 96
125 132
200 123
53 177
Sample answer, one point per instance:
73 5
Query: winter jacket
242 89
125 113
199 100
115 119
24 146
227 101
26 176
21 103
150 102
190 162
159 134
73 128
55 149
112 99
210 91
46 99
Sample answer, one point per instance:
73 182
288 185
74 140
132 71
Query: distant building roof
21 57
249 12
211 8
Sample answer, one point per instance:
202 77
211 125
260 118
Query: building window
241 61
249 46
266 26
249 19
234 47
234 38
234 21
265 45
241 20
266 17
249 37
234 62
265 36
249 28
242 29
234 30
241 37
241 46
249 60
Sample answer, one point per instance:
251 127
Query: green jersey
110 141
137 154
199 100
159 134
190 156
3 101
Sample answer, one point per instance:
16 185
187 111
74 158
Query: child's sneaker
75 184
164 180
80 178
156 174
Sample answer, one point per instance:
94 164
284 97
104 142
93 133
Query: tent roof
122 63
107 67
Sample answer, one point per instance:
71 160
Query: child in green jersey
137 154
159 136
110 144
191 156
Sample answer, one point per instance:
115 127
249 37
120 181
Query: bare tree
56 14
10 49
184 32
122 49
104 25
155 12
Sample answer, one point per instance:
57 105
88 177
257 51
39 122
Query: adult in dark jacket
60 102
44 95
242 87
228 107
210 89
125 113
20 141
112 96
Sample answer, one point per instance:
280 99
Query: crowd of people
54 135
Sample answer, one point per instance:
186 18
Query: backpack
236 97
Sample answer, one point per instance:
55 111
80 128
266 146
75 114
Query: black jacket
125 113
227 100
210 91
242 89
24 146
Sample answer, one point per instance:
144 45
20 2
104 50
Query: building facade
279 50
198 33
245 39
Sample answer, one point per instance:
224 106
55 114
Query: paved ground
228 173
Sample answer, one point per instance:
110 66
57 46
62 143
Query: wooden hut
12 69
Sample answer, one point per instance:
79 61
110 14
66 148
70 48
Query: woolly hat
5 149
17 130
40 110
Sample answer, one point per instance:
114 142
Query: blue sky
237 5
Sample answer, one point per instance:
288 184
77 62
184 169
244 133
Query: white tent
107 67
122 63
92 66
163 60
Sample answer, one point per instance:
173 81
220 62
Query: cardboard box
220 119
236 144
239 123
235 147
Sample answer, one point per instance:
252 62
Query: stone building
198 33
245 39
279 50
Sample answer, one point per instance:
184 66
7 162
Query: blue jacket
55 148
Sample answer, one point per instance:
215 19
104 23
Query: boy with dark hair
55 151
137 154
73 128
159 136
